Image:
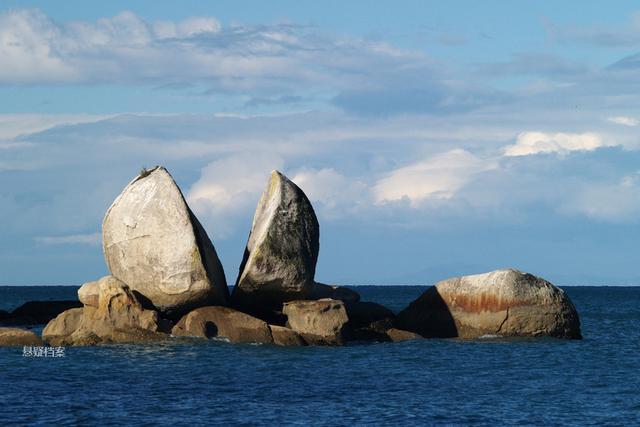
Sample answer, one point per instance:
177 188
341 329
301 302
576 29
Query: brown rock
319 322
14 337
502 302
397 335
65 324
89 293
119 318
223 322
286 337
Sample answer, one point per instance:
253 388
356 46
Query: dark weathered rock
364 313
38 312
397 335
223 322
119 318
502 302
320 291
279 263
14 337
3 315
280 258
368 321
318 322
154 243
286 337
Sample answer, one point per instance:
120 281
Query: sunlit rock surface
155 244
503 302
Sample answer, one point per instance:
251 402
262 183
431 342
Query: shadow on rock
428 316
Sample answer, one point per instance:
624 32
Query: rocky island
167 282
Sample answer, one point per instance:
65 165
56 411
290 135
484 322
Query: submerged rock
279 262
318 322
398 335
223 322
155 244
119 318
286 337
15 337
502 302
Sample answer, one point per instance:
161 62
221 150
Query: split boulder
155 244
279 262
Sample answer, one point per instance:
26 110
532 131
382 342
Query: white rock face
155 244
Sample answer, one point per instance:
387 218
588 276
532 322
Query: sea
490 381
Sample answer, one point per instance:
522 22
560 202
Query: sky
434 139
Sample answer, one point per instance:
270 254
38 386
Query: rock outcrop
14 337
223 322
119 318
155 244
502 302
318 322
279 262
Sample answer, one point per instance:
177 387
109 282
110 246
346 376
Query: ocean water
595 381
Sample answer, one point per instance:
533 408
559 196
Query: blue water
485 382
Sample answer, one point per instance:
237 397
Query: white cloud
438 177
336 194
230 187
529 143
74 239
610 202
14 125
187 28
351 168
624 120
128 49
26 53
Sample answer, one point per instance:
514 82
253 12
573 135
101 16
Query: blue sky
433 139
